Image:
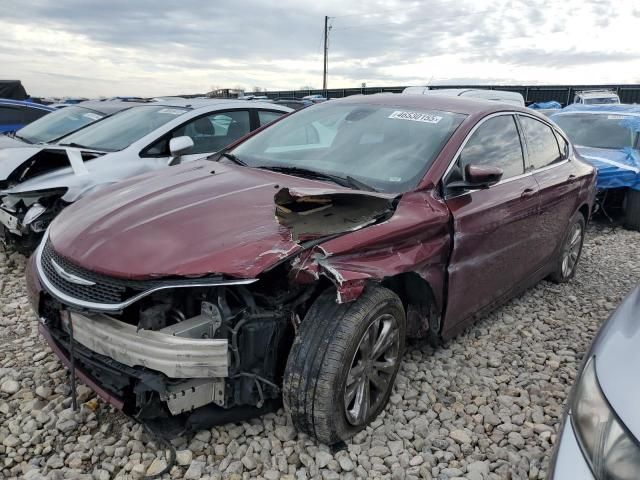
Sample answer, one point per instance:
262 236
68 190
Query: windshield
597 130
387 148
122 129
58 124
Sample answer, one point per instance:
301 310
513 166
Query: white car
504 96
596 97
39 181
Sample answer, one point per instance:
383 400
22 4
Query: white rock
460 436
194 471
156 466
345 463
10 386
323 458
184 457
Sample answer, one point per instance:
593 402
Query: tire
567 262
632 210
331 340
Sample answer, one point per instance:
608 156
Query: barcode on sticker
415 117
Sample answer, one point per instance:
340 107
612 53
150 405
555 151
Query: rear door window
541 143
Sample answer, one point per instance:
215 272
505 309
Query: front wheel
567 262
343 363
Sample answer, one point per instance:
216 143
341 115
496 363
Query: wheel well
584 210
418 300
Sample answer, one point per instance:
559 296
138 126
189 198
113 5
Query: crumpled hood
616 167
617 360
73 169
190 220
12 158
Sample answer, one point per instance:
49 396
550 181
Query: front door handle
572 178
528 193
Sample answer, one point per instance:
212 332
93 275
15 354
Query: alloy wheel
572 250
372 369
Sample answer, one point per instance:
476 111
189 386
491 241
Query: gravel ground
485 406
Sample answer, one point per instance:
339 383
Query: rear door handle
528 193
572 178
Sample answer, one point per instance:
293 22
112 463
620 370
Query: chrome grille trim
119 306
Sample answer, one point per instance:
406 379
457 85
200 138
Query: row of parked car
207 259
55 161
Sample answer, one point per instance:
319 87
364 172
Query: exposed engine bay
186 358
27 216
31 199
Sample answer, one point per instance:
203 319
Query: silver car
38 183
600 435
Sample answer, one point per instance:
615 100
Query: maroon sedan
295 264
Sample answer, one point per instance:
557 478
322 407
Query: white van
596 97
504 96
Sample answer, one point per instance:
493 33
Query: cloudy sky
161 47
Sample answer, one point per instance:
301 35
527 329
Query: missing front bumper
117 384
175 356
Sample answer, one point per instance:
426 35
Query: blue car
608 137
15 114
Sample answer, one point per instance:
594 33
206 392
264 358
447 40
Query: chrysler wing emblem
70 277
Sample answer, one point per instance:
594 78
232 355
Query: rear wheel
567 262
343 363
632 210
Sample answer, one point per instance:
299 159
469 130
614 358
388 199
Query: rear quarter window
542 145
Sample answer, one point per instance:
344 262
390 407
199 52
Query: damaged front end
183 352
29 202
176 354
26 216
311 214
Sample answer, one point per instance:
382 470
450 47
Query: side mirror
178 146
478 176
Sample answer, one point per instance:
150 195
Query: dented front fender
416 238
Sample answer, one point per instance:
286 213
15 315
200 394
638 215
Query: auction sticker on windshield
415 117
92 116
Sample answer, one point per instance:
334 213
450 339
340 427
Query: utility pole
326 54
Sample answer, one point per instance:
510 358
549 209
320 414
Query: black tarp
13 90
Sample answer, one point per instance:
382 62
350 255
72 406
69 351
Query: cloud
158 47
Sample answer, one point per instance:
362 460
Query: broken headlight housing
34 212
610 449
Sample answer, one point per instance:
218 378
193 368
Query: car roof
197 103
107 106
620 108
25 103
445 103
